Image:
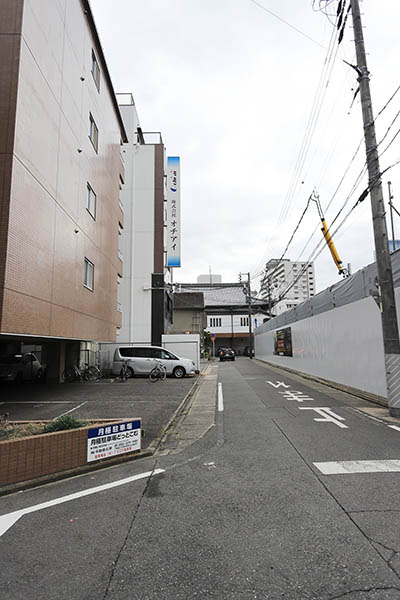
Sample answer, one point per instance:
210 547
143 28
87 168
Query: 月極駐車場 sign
106 441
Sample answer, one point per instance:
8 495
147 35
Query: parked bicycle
87 373
125 371
159 372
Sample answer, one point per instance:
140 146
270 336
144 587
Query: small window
95 71
90 201
126 352
155 353
93 132
88 274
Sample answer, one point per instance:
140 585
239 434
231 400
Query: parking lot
154 403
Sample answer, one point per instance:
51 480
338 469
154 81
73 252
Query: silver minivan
142 359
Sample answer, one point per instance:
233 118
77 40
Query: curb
154 446
379 400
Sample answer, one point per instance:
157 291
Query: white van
142 359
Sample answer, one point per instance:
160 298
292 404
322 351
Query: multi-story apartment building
60 174
293 280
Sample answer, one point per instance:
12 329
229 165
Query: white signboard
111 440
173 228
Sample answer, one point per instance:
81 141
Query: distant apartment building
292 281
144 296
61 174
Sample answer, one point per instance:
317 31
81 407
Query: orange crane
328 239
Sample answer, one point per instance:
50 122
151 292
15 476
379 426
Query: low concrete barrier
24 459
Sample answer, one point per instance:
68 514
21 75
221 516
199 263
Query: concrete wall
137 243
343 345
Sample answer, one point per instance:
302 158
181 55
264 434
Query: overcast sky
232 89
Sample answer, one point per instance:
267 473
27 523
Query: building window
90 201
244 321
215 322
95 71
88 274
93 132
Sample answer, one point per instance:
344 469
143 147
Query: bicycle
87 373
124 372
159 372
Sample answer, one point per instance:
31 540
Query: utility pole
247 291
269 297
250 327
391 215
390 331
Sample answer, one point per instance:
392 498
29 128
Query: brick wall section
34 456
10 28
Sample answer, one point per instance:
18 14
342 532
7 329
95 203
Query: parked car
20 367
141 360
226 354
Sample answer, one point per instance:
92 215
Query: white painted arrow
8 520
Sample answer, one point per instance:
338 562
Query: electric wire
292 236
360 175
307 138
321 245
286 22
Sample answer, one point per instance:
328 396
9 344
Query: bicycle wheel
163 375
92 374
123 374
69 375
154 375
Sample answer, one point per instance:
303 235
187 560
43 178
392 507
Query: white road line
394 427
8 520
346 467
70 411
327 414
220 398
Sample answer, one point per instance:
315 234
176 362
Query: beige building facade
61 174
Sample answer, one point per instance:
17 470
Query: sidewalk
197 417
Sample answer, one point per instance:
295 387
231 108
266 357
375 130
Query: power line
286 23
360 175
320 246
319 97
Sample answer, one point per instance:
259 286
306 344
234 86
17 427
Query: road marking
278 384
343 467
70 411
328 416
296 395
394 427
8 520
220 398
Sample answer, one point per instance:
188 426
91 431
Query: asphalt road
293 494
